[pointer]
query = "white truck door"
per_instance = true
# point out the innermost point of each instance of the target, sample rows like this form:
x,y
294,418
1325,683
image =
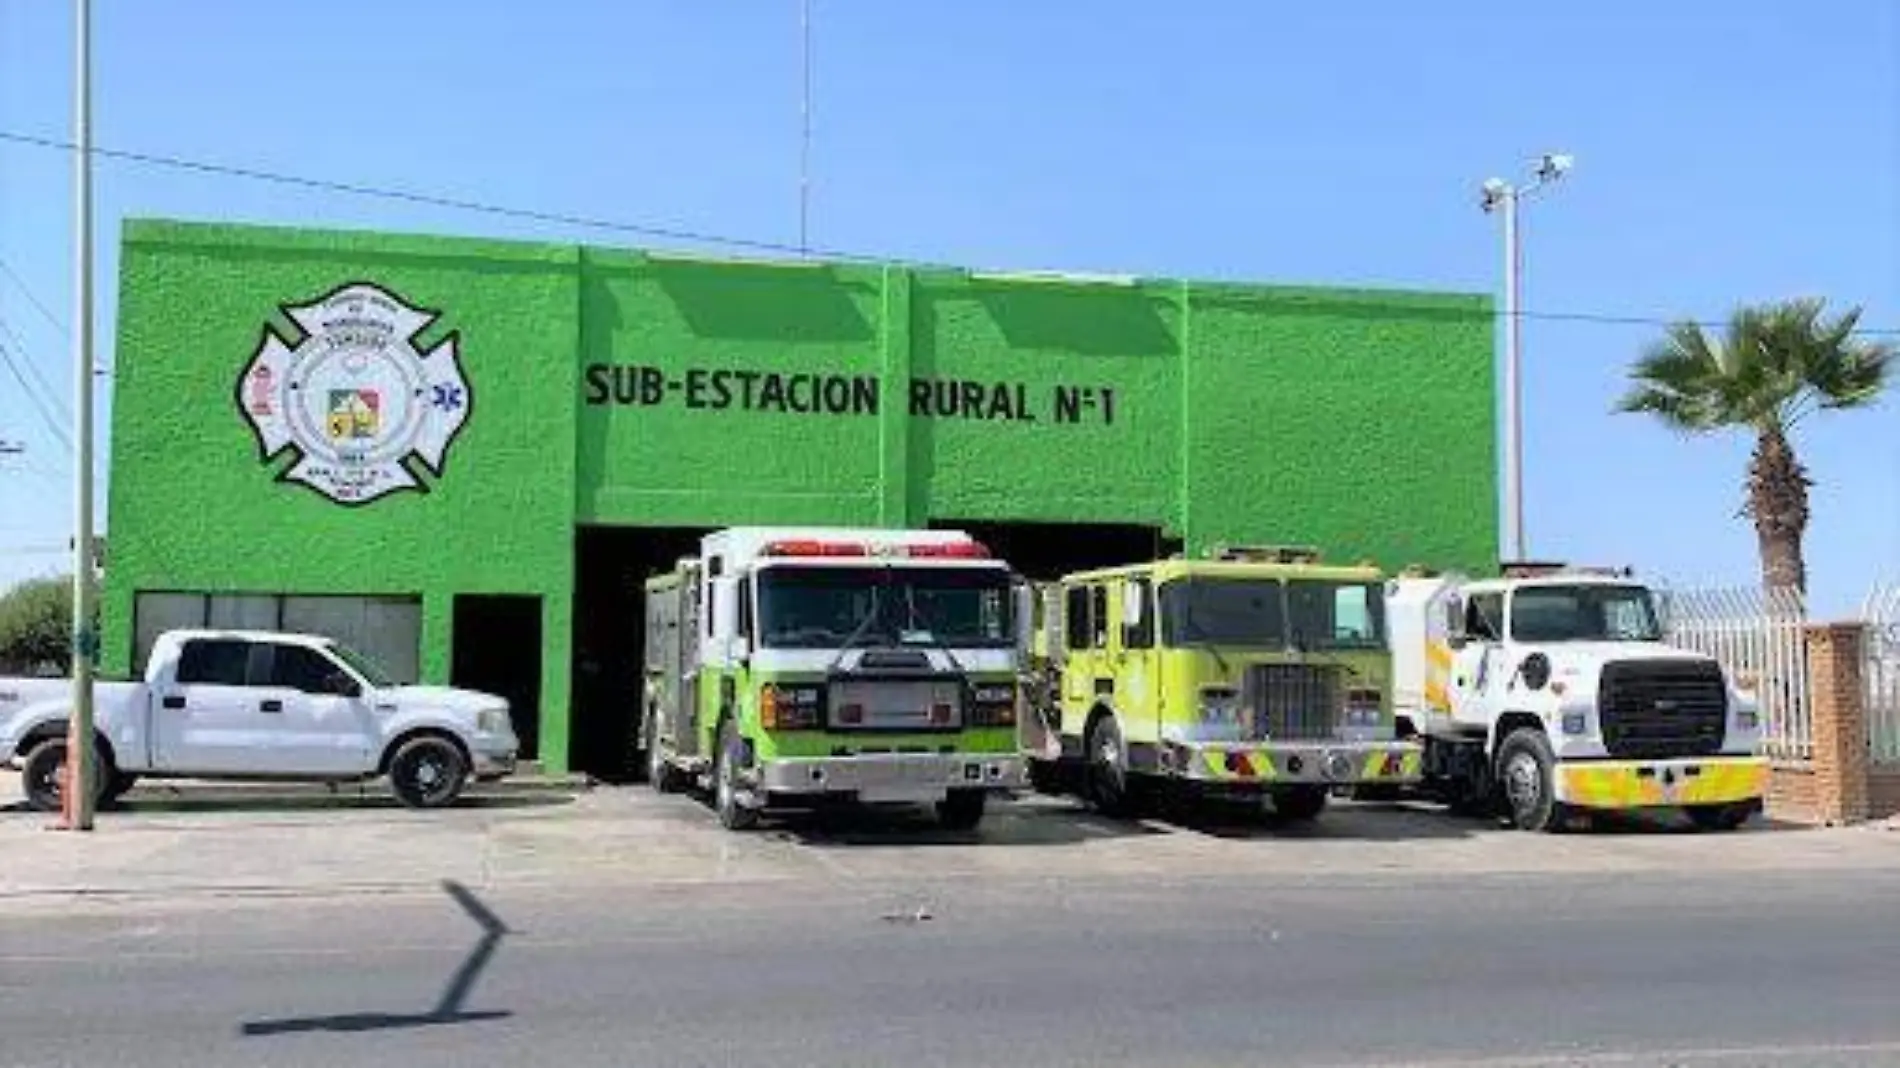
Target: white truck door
x,y
1474,681
320,723
206,716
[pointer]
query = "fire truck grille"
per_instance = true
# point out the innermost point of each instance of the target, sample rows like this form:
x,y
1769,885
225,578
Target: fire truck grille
x,y
1659,709
1293,702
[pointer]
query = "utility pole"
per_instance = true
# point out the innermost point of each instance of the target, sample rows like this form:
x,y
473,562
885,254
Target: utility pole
x,y
77,792
1503,197
804,131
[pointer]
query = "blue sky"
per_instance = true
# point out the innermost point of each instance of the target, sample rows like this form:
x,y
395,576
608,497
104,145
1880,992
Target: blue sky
x,y
1725,152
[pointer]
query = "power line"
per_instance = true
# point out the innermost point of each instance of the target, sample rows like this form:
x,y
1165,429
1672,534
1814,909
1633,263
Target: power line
x,y
31,298
52,424
19,345
699,237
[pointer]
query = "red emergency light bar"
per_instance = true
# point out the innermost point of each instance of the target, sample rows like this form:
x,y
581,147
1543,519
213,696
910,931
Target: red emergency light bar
x,y
814,548
965,550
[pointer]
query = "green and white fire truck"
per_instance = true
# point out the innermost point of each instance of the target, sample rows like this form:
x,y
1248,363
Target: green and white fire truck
x,y
792,667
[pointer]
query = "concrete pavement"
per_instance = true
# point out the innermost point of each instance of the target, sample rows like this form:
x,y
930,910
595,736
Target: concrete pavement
x,y
1627,968
630,838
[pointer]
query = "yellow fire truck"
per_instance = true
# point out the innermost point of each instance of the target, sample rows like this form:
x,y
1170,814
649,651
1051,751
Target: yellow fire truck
x,y
1258,673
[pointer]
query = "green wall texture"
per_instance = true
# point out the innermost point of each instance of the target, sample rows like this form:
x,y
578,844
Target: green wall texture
x,y
612,387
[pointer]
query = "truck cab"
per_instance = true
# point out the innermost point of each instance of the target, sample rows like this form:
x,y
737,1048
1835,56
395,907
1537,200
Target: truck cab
x,y
1257,673
1551,689
793,667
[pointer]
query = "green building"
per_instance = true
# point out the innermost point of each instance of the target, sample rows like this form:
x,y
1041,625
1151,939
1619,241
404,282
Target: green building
x,y
465,455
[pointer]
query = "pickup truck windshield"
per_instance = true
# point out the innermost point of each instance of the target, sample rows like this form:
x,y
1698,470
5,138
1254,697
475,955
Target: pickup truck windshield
x,y
371,671
1584,613
819,607
1335,615
1223,611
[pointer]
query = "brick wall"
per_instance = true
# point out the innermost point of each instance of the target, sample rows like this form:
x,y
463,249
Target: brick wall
x,y
1841,783
1793,794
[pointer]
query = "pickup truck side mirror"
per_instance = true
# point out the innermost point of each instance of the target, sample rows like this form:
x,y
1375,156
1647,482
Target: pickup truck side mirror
x,y
338,684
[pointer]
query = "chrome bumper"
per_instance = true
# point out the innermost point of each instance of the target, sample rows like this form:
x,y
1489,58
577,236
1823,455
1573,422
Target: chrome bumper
x,y
494,764
1337,763
894,776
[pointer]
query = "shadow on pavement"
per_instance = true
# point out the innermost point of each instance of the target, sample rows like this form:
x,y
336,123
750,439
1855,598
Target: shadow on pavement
x,y
1038,822
448,1008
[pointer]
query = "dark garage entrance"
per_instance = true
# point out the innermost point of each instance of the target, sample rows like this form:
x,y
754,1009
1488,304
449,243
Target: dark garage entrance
x,y
497,649
611,566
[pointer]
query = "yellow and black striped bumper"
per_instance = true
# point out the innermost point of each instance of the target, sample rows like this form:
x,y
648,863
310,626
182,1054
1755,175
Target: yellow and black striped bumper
x,y
1619,784
1340,763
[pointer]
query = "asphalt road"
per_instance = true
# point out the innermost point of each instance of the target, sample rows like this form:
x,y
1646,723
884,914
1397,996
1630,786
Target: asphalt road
x,y
1535,969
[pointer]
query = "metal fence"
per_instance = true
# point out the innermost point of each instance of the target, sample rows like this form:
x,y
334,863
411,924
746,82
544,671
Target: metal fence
x,y
1760,637
1881,670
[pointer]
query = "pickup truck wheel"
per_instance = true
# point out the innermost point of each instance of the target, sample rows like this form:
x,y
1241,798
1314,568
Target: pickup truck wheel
x,y
118,785
44,768
427,772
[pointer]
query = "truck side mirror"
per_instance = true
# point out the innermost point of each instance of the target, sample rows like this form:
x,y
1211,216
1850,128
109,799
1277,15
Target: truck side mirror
x,y
725,616
1024,596
1455,635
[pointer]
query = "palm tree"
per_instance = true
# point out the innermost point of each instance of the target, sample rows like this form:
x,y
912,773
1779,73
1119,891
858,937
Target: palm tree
x,y
1775,365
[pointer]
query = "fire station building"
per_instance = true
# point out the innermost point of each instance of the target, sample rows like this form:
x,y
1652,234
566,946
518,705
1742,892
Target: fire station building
x,y
465,456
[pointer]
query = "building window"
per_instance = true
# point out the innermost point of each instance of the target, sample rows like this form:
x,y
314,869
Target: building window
x,y
388,630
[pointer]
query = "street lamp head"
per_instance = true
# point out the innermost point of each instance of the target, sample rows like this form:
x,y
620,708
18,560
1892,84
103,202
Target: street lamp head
x,y
1493,191
1554,165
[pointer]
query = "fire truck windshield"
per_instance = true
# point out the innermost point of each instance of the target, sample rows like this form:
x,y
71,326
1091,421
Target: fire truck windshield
x,y
804,606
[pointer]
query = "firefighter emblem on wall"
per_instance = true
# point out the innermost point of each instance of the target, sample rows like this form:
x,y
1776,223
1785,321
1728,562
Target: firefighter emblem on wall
x,y
354,398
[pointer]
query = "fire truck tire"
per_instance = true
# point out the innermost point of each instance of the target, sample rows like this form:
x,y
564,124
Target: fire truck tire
x,y
962,810
733,816
1299,802
663,777
1105,777
1526,774
1719,817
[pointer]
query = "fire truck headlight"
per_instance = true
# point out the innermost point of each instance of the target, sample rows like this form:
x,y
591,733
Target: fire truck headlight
x,y
1220,705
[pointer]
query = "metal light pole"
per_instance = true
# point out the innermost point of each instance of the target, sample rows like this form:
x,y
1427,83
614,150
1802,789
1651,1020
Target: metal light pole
x,y
1503,197
76,794
804,128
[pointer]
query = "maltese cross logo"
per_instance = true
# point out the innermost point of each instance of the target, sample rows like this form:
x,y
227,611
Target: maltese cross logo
x,y
353,398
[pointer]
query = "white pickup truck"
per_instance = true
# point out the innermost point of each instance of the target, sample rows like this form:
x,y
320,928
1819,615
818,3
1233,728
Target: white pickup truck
x,y
254,705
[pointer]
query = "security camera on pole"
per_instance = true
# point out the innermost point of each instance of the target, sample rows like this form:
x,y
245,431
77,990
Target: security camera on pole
x,y
1501,196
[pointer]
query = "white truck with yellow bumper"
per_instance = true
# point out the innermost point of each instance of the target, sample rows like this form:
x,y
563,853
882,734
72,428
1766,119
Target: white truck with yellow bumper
x,y
1551,690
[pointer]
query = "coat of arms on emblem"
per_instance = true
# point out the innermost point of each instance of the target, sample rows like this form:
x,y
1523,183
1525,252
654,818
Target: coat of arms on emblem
x,y
354,398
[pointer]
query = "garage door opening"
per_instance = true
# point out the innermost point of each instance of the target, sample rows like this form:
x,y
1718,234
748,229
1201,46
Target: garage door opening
x,y
497,649
1045,551
611,566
